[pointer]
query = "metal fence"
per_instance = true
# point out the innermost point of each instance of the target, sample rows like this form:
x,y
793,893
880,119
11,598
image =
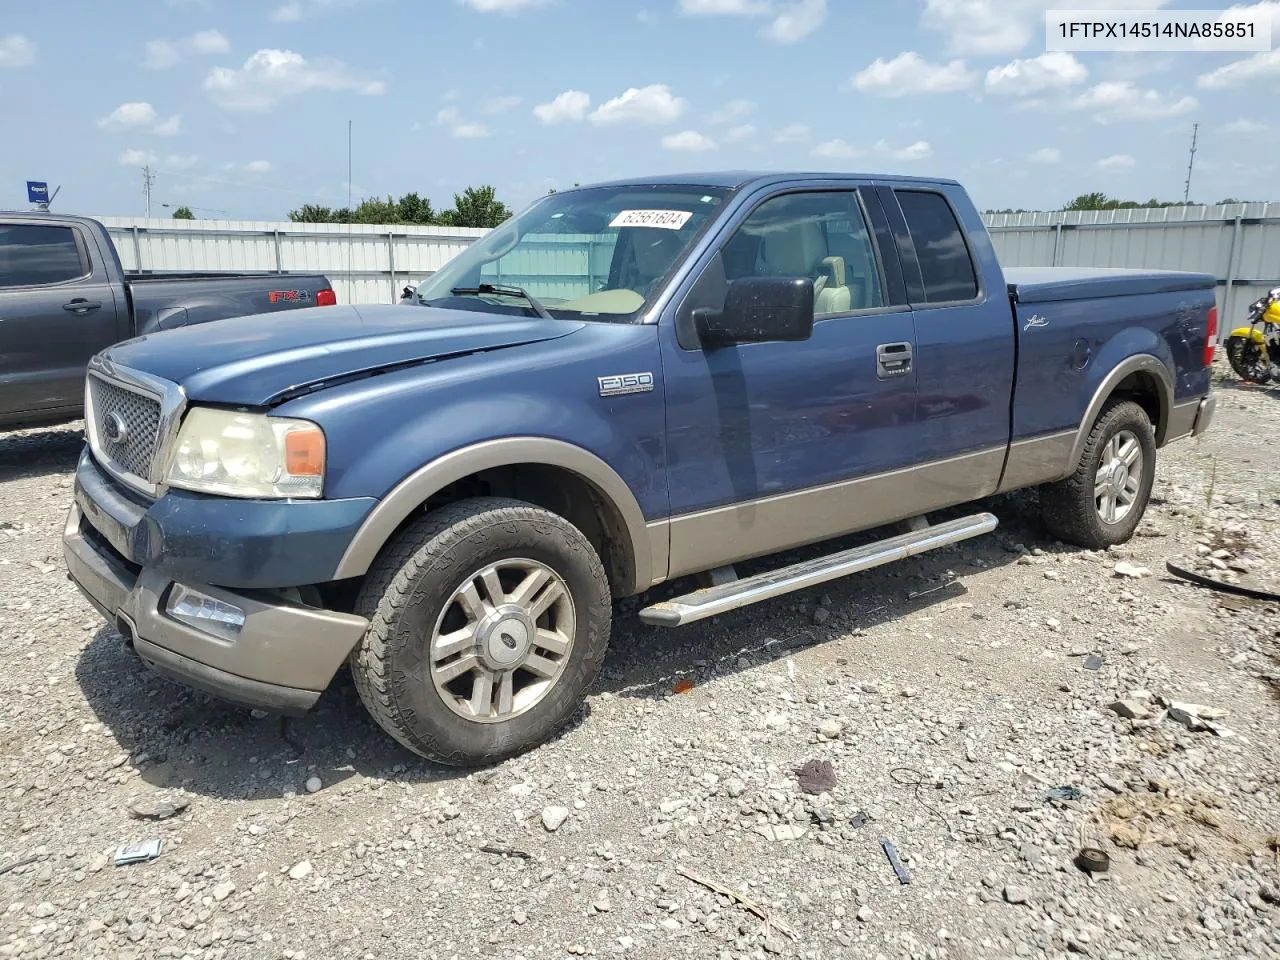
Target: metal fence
x,y
366,264
1238,243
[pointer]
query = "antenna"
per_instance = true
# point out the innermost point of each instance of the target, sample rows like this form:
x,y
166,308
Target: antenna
x,y
1191,162
148,179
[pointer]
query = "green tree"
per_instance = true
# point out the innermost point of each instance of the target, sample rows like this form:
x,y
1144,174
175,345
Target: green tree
x,y
476,207
183,213
412,208
311,213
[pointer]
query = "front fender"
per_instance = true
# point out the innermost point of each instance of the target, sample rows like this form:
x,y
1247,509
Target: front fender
x,y
1249,333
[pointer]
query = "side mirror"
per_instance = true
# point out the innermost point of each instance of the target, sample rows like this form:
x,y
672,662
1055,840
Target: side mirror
x,y
759,310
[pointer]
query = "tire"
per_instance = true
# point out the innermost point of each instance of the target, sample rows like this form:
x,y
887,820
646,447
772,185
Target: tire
x,y
1072,509
1246,359
415,594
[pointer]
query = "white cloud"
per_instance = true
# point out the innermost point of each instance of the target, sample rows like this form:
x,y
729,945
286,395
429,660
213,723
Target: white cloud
x,y
460,128
909,73
720,8
794,133
177,162
569,107
988,27
920,150
1046,155
651,104
16,51
288,12
735,111
1117,162
503,6
163,54
209,42
837,150
500,104
140,115
270,76
1049,71
688,141
795,22
1245,126
258,166
1241,72
137,158
743,131
1121,100
470,131
790,21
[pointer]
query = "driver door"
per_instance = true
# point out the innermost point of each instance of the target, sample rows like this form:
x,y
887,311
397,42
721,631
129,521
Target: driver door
x,y
774,444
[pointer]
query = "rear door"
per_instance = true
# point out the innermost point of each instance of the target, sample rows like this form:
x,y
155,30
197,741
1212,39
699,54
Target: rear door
x,y
964,358
57,309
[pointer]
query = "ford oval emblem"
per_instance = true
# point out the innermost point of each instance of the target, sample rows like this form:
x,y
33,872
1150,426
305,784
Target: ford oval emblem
x,y
114,429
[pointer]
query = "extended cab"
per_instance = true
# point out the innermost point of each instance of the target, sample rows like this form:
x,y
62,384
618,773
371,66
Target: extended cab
x,y
625,384
64,296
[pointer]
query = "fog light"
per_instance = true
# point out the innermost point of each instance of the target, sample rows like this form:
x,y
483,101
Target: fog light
x,y
204,612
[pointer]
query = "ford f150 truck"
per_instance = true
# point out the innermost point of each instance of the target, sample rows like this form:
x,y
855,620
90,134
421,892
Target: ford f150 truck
x,y
625,384
63,297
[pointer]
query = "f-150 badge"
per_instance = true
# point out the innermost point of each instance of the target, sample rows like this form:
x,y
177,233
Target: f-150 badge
x,y
622,383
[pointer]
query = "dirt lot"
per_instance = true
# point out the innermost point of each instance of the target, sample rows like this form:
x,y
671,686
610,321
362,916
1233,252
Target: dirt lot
x,y
949,693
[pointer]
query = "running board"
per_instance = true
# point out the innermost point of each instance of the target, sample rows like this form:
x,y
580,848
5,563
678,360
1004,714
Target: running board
x,y
765,586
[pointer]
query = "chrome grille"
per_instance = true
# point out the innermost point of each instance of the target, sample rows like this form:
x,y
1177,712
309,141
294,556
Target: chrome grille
x,y
126,426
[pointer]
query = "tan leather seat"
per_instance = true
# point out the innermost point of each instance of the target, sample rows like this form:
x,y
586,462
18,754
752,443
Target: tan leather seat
x,y
834,296
800,250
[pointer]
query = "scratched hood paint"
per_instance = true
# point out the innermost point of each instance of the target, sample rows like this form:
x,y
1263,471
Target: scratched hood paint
x,y
254,360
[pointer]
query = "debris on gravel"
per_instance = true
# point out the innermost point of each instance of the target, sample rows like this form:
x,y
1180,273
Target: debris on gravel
x,y
992,683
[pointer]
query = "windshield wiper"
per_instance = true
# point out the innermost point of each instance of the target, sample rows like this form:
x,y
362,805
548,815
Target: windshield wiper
x,y
505,291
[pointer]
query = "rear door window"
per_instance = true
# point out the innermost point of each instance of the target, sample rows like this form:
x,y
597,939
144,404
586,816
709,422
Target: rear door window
x,y
38,255
940,247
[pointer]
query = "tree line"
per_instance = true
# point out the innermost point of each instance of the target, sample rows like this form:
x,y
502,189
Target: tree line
x,y
474,207
1100,201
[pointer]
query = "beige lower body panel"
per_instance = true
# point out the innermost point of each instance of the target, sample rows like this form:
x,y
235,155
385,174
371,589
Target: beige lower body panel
x,y
1039,460
1182,419
713,538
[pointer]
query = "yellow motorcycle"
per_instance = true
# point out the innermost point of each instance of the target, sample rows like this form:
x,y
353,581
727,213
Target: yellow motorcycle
x,y
1254,351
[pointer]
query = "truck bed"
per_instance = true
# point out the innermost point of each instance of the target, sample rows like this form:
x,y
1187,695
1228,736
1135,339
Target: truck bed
x,y
1044,284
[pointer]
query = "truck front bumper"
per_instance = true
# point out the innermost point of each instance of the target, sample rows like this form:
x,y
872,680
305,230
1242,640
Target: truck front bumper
x,y
281,658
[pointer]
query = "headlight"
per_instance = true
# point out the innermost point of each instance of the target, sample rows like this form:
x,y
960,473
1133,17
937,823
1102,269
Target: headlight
x,y
247,455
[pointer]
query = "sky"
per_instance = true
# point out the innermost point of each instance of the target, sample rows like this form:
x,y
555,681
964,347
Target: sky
x,y
241,109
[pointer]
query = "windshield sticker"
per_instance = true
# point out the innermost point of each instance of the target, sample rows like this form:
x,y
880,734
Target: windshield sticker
x,y
662,219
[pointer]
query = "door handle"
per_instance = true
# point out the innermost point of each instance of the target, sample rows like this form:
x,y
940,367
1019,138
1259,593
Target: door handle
x,y
80,305
893,360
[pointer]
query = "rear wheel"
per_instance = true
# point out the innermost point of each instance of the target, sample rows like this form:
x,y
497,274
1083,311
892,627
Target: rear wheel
x,y
488,621
1102,502
1248,360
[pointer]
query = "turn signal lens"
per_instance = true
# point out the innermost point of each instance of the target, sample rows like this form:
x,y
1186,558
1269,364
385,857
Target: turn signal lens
x,y
1211,337
304,452
326,298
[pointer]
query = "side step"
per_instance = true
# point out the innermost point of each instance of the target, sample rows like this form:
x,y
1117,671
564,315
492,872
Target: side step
x,y
774,583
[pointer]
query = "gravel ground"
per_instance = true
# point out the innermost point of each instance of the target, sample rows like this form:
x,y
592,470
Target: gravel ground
x,y
949,693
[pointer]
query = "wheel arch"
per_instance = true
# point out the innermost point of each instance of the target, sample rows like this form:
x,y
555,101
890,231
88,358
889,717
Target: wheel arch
x,y
1143,378
558,476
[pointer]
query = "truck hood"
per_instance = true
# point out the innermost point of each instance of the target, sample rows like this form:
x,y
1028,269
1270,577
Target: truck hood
x,y
260,360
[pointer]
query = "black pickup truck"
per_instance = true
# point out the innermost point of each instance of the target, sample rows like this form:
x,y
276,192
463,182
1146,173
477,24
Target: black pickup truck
x,y
64,297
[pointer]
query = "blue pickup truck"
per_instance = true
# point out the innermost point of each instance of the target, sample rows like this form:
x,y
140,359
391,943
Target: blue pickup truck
x,y
623,385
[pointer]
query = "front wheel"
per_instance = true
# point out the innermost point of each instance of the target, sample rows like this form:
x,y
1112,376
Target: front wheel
x,y
1102,502
1248,359
488,621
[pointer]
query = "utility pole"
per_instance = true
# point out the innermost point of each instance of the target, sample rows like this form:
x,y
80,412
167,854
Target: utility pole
x,y
148,178
1186,192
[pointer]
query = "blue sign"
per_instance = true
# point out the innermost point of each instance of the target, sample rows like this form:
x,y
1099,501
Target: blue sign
x,y
37,191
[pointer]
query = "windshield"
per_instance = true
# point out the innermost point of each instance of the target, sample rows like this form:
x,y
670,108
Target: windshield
x,y
599,253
